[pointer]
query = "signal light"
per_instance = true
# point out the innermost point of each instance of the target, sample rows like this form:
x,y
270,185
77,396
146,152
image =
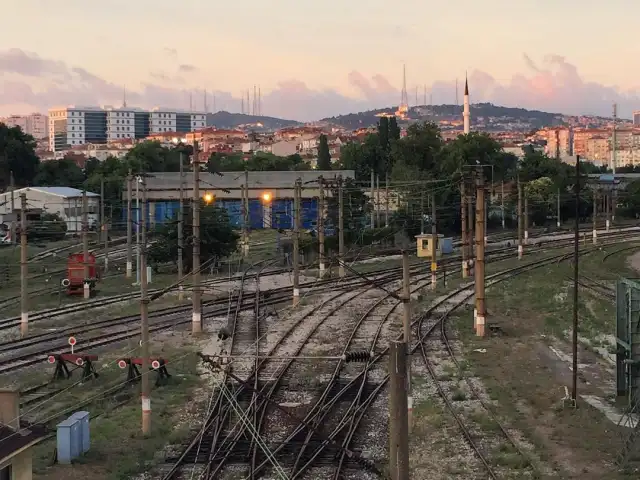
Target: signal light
x,y
208,198
266,197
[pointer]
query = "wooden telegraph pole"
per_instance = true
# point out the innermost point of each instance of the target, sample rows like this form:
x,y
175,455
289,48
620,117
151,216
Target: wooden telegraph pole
x,y
181,230
398,413
479,267
144,316
434,243
526,216
105,227
519,213
24,299
196,322
340,227
595,216
296,243
129,222
465,233
85,245
321,226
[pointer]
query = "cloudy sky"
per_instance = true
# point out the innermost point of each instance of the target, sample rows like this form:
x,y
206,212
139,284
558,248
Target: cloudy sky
x,y
320,58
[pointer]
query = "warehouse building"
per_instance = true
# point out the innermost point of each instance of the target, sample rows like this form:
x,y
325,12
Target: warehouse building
x,y
63,201
163,193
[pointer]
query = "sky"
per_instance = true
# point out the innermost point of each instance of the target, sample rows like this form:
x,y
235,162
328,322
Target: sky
x,y
315,59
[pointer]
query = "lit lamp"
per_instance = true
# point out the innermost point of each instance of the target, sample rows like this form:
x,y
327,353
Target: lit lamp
x,y
208,198
266,197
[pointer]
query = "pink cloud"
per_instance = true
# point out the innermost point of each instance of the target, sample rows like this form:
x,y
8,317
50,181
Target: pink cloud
x,y
553,84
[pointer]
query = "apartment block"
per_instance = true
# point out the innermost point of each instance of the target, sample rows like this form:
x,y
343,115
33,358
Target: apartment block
x,y
559,142
636,118
72,126
34,124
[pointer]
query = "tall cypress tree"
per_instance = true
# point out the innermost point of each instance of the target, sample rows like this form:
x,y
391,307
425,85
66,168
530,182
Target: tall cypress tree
x,y
324,157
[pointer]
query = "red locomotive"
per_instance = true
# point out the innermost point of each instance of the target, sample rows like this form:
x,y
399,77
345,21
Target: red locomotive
x,y
75,273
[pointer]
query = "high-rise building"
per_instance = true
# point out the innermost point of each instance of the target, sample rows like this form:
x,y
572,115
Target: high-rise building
x,y
72,126
34,124
636,118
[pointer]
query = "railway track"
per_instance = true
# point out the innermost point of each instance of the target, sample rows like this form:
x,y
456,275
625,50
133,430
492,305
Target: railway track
x,y
300,439
348,418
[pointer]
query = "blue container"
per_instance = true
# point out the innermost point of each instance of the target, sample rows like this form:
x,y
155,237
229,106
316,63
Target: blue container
x,y
83,418
446,245
68,440
234,210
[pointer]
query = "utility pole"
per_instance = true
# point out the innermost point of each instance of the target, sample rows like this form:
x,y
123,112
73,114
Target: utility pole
x,y
246,213
576,258
520,247
502,203
526,216
180,230
378,200
434,243
144,318
24,299
373,203
465,233
321,225
607,206
398,416
559,222
479,268
471,219
129,222
244,221
196,321
105,228
340,227
85,245
12,227
595,216
296,244
406,327
386,200
421,212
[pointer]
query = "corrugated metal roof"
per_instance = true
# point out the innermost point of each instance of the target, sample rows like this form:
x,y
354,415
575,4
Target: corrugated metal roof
x,y
66,192
233,180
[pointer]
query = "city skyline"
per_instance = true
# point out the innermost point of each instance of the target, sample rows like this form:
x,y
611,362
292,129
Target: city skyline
x,y
313,61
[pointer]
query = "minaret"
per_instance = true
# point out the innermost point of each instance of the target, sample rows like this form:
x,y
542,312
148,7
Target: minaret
x,y
466,114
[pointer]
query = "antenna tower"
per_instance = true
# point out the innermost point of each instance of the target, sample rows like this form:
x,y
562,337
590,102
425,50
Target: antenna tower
x,y
404,100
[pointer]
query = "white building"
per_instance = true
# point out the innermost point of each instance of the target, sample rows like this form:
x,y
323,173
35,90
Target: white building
x,y
71,126
63,201
171,120
34,124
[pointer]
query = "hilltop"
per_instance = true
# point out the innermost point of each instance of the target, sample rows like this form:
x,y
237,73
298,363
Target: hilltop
x,y
479,111
225,119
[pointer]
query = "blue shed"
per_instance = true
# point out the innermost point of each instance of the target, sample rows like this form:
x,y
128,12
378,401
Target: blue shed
x,y
282,213
255,214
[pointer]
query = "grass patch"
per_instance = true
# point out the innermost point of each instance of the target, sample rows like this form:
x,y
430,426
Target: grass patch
x,y
117,446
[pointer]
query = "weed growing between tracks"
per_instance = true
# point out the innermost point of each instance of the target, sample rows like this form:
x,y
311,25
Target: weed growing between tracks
x,y
118,450
526,372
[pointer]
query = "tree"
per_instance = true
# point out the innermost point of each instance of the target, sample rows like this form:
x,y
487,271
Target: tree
x,y
630,199
217,239
394,130
324,157
17,156
383,133
59,173
356,207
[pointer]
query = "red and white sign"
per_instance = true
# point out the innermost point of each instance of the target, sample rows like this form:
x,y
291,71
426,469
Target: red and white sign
x,y
72,342
155,364
122,364
51,359
79,362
